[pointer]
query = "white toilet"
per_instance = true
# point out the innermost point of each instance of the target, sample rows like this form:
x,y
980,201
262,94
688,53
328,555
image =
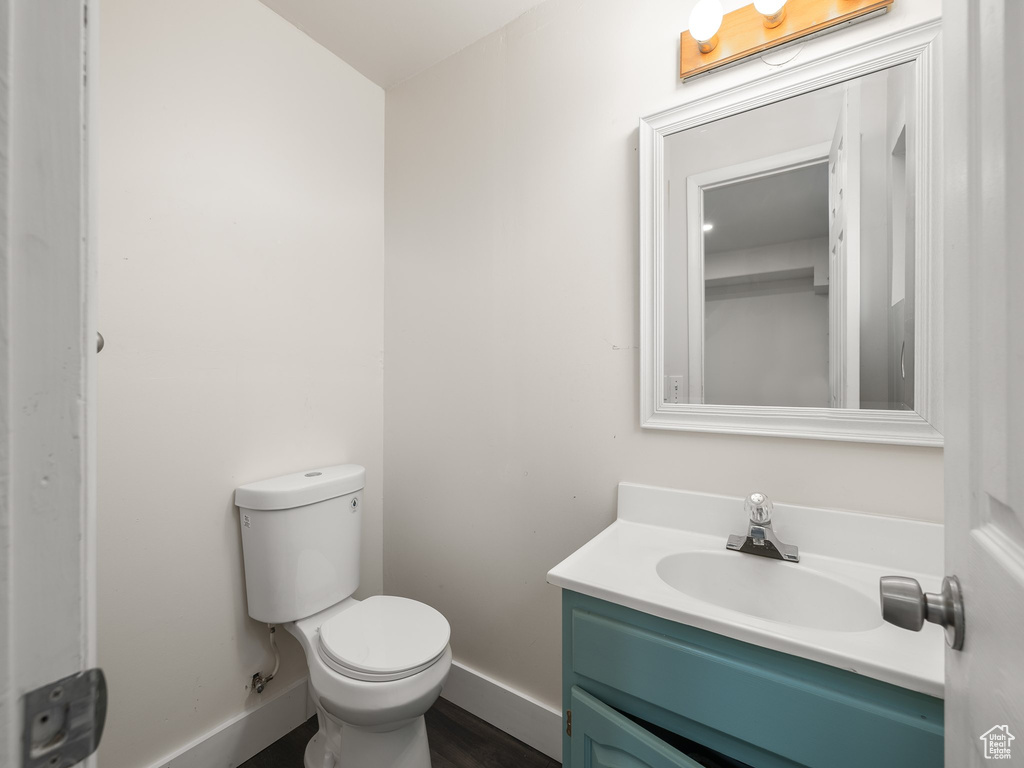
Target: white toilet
x,y
375,666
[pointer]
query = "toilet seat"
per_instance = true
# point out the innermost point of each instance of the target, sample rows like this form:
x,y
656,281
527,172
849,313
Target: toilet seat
x,y
383,638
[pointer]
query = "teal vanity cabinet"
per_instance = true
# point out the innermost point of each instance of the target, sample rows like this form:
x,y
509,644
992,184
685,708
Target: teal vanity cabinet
x,y
640,691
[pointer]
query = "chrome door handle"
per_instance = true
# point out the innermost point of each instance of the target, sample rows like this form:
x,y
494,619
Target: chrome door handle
x,y
906,605
99,342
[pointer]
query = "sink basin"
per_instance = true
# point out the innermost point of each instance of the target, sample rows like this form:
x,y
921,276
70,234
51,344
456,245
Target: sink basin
x,y
770,589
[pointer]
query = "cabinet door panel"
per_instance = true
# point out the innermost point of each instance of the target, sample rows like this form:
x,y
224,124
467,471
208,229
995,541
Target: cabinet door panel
x,y
602,738
609,757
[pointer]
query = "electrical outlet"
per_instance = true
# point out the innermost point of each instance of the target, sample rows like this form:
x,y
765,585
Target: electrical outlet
x,y
675,389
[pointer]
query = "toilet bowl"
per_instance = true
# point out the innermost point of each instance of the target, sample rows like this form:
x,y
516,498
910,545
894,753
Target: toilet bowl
x,y
375,665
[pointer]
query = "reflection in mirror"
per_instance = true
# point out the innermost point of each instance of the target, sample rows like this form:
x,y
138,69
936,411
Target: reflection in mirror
x,y
789,252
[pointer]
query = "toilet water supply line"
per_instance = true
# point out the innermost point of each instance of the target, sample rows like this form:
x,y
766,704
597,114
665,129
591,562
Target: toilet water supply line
x,y
259,682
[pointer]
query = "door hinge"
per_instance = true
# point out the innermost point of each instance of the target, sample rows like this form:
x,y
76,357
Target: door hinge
x,y
63,721
568,722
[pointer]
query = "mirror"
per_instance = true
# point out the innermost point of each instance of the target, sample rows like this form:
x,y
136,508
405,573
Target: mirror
x,y
789,262
800,234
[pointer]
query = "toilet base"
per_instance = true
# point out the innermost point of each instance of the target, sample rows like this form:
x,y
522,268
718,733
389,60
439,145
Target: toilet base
x,y
339,745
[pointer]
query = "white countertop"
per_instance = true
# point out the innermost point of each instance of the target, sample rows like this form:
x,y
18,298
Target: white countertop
x,y
620,565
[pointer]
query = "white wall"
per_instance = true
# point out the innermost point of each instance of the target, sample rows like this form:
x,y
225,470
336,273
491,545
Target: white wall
x,y
766,341
241,296
511,328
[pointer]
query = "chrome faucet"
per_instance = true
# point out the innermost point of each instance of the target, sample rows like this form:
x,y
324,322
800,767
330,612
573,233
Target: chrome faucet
x,y
761,539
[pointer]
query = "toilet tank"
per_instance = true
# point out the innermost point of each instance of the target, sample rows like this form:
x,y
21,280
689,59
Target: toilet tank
x,y
300,541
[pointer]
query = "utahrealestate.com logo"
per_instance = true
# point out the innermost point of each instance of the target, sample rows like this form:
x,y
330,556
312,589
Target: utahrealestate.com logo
x,y
997,742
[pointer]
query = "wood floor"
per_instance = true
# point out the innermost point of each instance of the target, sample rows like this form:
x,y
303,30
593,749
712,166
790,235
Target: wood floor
x,y
457,740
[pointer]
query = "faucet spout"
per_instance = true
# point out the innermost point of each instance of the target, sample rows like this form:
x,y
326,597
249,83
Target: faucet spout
x,y
761,539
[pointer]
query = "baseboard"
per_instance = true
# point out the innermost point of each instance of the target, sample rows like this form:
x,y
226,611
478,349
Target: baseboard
x,y
236,740
512,711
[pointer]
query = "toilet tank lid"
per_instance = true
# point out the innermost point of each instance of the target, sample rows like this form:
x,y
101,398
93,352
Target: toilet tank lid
x,y
301,488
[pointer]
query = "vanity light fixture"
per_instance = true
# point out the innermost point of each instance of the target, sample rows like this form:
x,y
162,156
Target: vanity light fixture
x,y
714,40
705,20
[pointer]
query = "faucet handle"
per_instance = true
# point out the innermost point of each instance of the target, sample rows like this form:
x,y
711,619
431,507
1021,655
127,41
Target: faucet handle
x,y
758,508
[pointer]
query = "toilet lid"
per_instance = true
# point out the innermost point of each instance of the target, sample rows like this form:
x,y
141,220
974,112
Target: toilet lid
x,y
384,638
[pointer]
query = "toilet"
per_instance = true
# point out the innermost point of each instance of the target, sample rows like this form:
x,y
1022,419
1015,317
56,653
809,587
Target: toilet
x,y
375,665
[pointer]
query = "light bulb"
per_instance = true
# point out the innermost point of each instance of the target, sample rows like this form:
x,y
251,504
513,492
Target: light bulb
x,y
705,19
708,226
774,11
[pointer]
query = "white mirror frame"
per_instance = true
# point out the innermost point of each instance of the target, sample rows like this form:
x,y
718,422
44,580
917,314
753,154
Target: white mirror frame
x,y
918,45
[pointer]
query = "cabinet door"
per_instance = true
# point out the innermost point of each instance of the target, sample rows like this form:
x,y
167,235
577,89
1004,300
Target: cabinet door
x,y
602,738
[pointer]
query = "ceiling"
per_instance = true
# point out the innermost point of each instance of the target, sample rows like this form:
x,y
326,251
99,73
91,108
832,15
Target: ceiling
x,y
389,41
777,208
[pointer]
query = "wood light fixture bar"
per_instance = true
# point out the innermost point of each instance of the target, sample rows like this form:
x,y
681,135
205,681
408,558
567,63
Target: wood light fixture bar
x,y
743,32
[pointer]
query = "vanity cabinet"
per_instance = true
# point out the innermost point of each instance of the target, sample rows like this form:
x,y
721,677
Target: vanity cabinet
x,y
645,691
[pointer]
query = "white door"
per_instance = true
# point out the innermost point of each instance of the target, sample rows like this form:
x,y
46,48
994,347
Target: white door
x,y
983,72
47,351
844,254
